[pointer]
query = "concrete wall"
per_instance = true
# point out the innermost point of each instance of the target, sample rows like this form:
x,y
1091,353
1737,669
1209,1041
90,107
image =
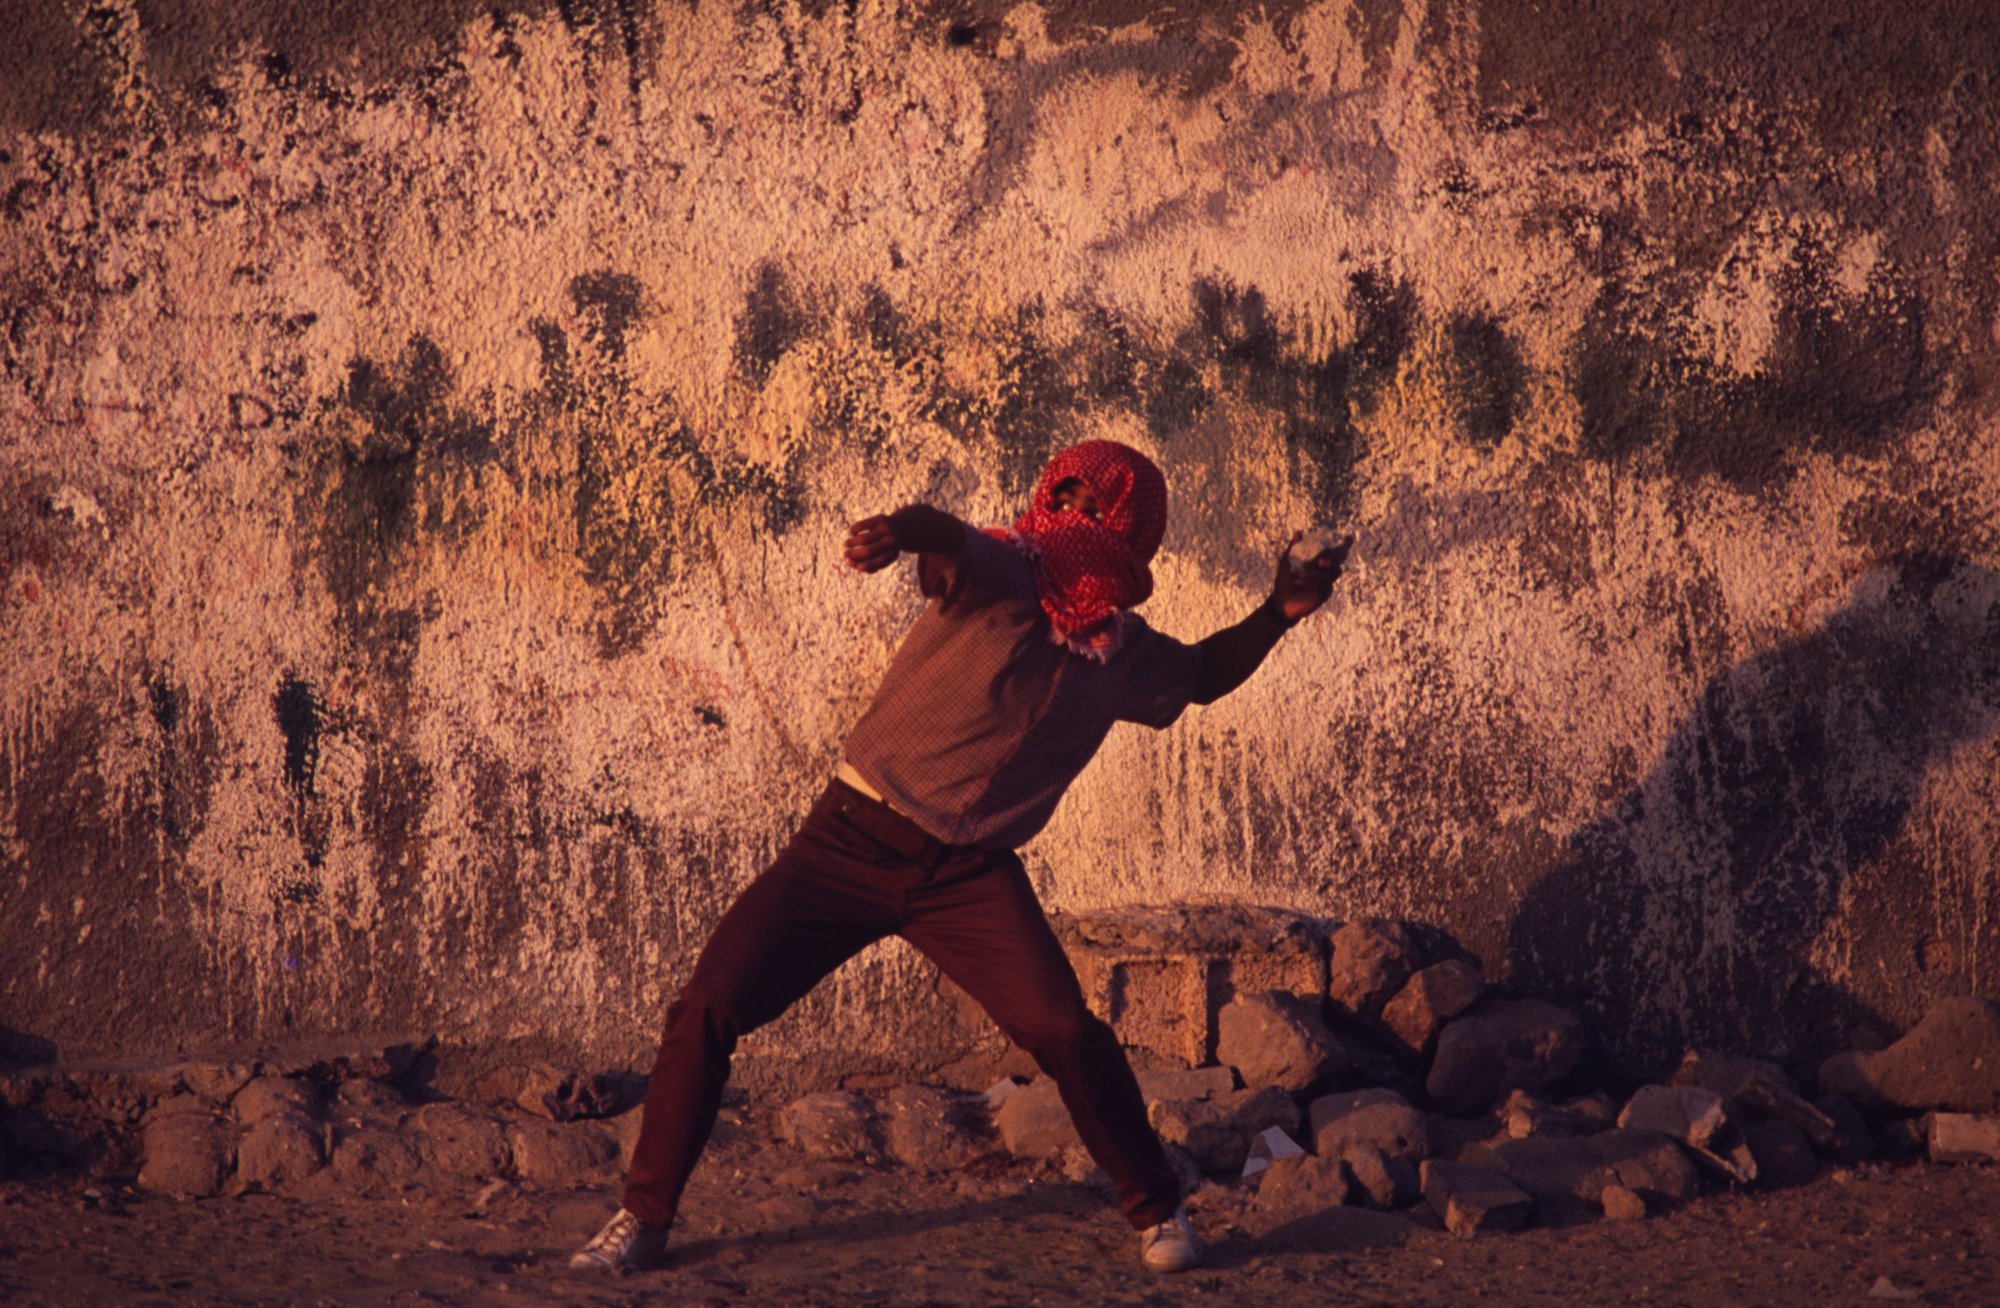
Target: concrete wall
x,y
427,431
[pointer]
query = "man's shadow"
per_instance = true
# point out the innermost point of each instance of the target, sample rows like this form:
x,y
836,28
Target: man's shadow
x,y
1689,914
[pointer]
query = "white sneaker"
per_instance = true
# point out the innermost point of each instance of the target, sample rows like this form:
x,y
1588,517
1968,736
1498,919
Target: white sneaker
x,y
625,1245
1172,1246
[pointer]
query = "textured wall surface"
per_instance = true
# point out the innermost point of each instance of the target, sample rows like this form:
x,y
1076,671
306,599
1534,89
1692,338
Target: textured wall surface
x,y
427,432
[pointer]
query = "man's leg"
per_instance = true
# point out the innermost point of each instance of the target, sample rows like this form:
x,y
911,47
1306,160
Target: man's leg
x,y
979,920
817,905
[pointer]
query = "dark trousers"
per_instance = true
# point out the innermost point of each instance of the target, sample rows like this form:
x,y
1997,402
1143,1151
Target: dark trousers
x,y
856,872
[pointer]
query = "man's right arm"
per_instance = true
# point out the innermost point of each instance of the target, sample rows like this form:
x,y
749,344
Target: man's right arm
x,y
874,543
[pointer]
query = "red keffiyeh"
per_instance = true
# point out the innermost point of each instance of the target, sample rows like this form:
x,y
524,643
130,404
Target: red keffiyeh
x,y
1089,571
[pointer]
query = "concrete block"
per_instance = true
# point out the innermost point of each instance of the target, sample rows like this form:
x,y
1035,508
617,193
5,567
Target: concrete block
x,y
1472,1199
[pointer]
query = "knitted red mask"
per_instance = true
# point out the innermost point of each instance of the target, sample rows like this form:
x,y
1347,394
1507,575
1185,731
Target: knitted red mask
x,y
1089,571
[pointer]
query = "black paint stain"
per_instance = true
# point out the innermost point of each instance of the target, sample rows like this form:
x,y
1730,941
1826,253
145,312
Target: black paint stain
x,y
553,347
1484,372
1175,397
1385,313
609,303
771,324
1037,403
301,718
1844,377
961,34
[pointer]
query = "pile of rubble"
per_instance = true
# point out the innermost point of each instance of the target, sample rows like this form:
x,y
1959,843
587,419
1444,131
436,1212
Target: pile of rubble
x,y
1301,1069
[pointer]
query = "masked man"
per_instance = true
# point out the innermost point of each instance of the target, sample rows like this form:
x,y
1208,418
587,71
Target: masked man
x,y
1004,688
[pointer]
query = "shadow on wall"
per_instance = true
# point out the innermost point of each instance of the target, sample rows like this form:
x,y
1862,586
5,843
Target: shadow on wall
x,y
1687,915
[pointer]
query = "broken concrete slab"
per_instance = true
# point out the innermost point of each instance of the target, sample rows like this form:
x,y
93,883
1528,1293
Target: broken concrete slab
x,y
832,1124
1161,974
1552,1167
1379,1118
1964,1137
1432,996
1756,1088
1950,1060
1500,1045
1472,1199
1368,961
1275,1038
1698,1119
1525,1114
1217,1131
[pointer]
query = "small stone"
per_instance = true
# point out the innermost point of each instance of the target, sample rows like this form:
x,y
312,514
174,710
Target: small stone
x,y
22,1087
1433,996
278,1149
1965,1137
831,1124
1782,1151
1902,1136
1473,1199
1276,1039
462,1141
1622,1204
185,1149
1033,1122
1379,1118
217,1081
1302,1184
1884,1288
1500,1045
1217,1131
1369,961
926,1128
560,1154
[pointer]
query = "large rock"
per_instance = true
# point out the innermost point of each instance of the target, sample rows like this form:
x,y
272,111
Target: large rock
x,y
1380,1119
1755,1088
1432,996
1368,961
1472,1199
268,1095
1034,1123
461,1141
1647,1163
1501,1045
185,1149
374,1160
1274,1038
1782,1151
1554,1168
1296,1187
831,1124
1525,1114
1949,1060
926,1128
1217,1131
556,1155
1381,1181
278,1150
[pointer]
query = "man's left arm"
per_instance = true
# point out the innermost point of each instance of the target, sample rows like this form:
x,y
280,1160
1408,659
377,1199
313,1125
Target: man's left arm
x,y
1230,655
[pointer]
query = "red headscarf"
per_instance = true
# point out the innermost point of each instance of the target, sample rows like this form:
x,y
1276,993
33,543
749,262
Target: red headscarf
x,y
1089,571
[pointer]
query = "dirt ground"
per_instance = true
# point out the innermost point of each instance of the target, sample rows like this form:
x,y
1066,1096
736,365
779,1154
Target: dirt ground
x,y
766,1225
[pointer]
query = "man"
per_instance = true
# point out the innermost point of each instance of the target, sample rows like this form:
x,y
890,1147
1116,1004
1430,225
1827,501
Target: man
x,y
1004,688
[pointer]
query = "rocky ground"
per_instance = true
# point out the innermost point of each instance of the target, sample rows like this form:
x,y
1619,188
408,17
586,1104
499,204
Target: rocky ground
x,y
767,1223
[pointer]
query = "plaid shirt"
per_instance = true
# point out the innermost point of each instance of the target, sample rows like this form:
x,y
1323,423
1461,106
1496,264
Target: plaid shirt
x,y
983,720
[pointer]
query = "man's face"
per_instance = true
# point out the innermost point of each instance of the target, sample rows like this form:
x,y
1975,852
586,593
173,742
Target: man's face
x,y
1072,496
